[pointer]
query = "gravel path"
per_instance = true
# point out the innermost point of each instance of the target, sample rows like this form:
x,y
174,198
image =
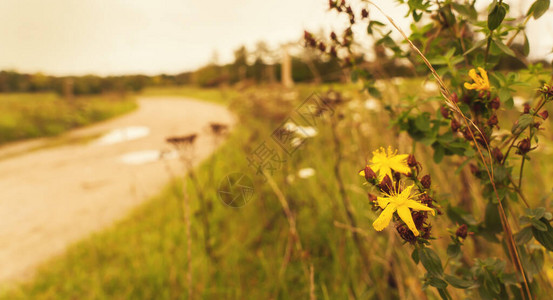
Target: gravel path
x,y
53,197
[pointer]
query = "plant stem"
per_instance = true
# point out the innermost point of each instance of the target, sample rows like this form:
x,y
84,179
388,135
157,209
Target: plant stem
x,y
345,200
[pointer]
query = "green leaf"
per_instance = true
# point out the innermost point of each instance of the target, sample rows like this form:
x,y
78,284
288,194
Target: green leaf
x,y
415,255
492,219
423,123
496,16
431,261
453,250
538,8
526,46
504,48
439,153
539,225
462,165
522,123
523,236
475,46
458,282
544,237
437,282
532,262
504,94
444,294
465,10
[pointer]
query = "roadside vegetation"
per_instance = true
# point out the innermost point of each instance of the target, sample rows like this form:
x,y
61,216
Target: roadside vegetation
x,y
253,254
25,116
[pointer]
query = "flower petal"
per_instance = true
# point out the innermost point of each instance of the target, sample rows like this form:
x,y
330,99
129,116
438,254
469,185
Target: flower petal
x,y
362,172
399,163
470,86
473,75
484,75
407,191
419,206
385,217
405,214
382,201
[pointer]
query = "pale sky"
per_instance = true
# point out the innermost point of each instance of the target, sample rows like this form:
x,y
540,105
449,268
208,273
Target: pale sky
x,y
63,37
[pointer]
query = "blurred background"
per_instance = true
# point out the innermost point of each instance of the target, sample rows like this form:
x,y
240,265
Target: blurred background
x,y
91,189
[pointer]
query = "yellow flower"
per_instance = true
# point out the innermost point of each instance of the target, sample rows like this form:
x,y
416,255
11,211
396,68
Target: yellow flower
x,y
401,203
481,82
383,163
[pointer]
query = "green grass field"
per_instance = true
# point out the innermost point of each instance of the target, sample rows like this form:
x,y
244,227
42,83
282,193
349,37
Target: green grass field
x,y
25,116
253,253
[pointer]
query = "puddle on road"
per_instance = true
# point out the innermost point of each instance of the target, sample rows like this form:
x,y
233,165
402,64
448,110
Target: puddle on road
x,y
146,156
123,135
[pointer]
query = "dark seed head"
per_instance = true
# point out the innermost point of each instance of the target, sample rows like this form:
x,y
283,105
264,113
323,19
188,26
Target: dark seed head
x,y
462,231
412,161
492,121
386,184
369,174
445,112
426,181
497,155
526,108
495,103
524,146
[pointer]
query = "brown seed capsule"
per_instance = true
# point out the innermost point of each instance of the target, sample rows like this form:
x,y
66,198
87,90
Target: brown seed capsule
x,y
526,108
322,47
426,200
462,231
372,197
484,94
547,90
369,174
455,125
386,184
495,103
411,161
524,146
544,114
492,121
497,155
454,97
426,181
333,52
445,112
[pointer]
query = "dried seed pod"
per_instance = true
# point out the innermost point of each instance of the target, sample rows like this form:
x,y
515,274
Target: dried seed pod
x,y
495,103
426,181
412,161
492,121
455,125
445,112
497,154
524,146
369,174
386,184
462,231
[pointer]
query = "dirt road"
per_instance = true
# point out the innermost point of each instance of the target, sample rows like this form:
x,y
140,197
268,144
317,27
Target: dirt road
x,y
53,197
